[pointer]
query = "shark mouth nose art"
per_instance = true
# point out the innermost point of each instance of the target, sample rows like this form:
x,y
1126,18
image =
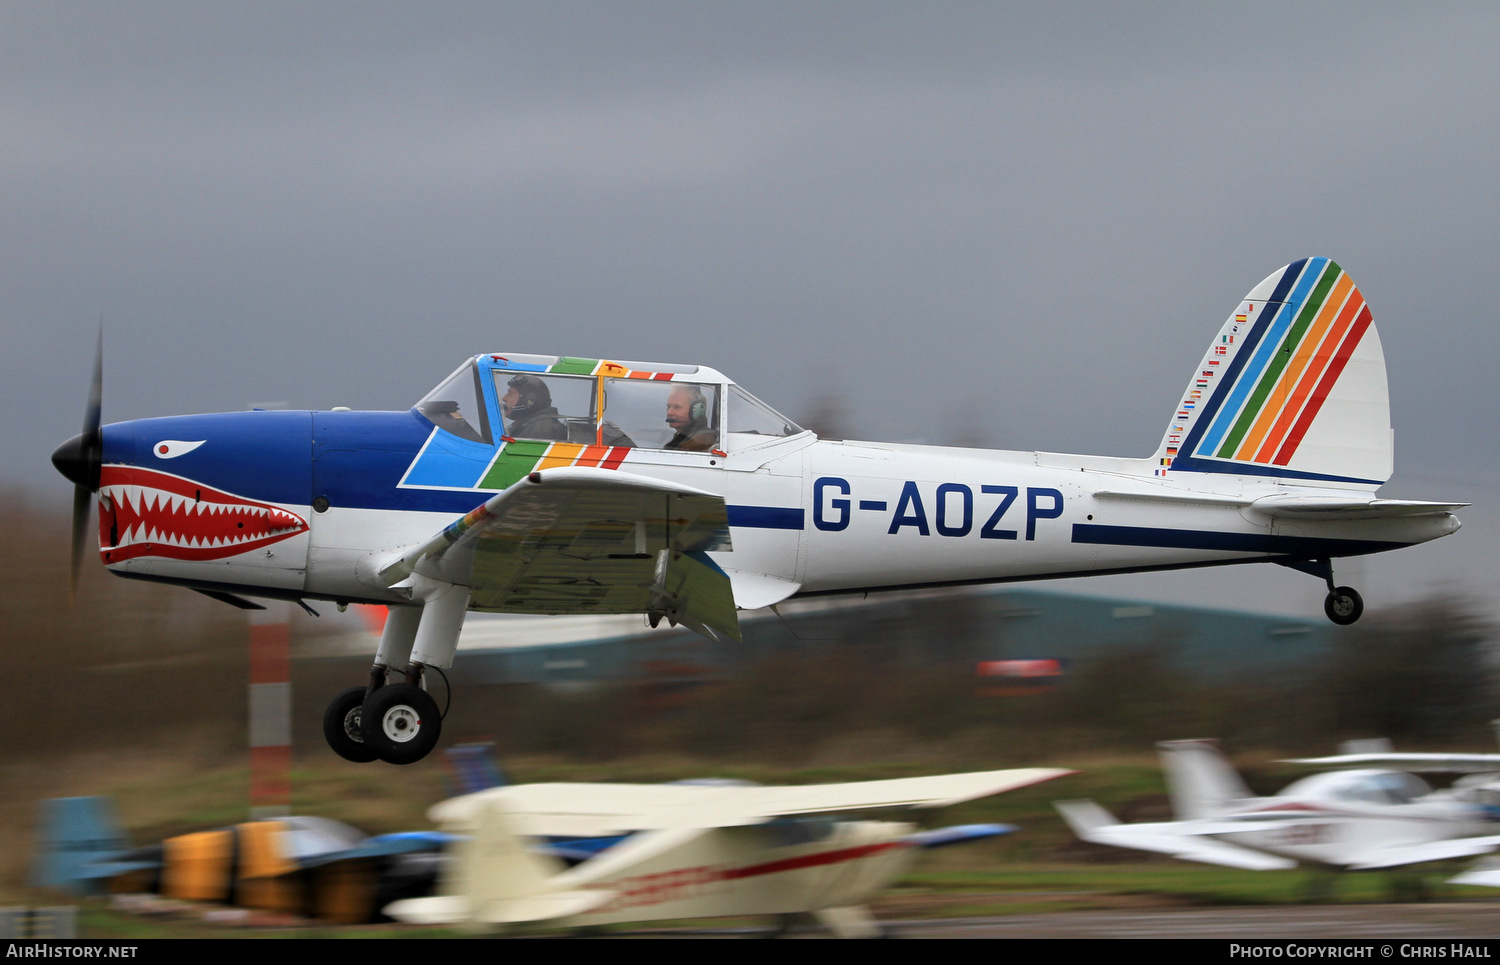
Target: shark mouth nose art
x,y
148,513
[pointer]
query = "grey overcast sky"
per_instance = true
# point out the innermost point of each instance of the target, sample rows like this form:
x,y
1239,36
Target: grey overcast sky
x,y
1022,221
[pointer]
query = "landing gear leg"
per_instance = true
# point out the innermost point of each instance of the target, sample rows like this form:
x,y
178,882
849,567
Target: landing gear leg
x,y
1343,604
399,721
401,624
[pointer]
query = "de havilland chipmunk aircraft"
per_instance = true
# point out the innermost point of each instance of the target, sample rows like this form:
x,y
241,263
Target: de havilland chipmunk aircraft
x,y
543,484
1351,820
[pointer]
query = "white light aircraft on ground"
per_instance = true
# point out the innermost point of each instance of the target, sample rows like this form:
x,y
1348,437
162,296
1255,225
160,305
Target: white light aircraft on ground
x,y
545,484
1349,820
1480,787
688,851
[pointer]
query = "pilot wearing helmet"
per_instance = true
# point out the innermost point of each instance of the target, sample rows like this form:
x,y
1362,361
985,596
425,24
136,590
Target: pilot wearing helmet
x,y
687,414
528,410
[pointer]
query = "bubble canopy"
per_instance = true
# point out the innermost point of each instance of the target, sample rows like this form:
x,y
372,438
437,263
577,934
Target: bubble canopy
x,y
491,399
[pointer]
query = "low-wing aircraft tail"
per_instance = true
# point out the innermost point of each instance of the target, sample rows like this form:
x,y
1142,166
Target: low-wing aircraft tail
x,y
1293,387
1200,780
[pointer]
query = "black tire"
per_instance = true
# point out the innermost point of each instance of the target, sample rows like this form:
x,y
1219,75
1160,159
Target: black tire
x,y
1343,605
342,730
401,723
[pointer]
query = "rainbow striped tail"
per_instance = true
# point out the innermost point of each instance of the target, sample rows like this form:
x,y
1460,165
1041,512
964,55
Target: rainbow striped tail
x,y
1293,387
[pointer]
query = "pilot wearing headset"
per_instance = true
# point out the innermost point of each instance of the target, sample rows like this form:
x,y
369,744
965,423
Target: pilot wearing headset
x,y
687,414
527,405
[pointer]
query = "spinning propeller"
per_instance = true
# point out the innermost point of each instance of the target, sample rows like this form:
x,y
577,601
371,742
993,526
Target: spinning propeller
x,y
80,457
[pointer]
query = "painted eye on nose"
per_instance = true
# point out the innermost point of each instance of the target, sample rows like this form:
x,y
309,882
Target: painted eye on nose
x,y
172,448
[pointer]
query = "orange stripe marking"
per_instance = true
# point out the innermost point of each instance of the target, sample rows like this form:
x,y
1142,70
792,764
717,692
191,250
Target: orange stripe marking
x,y
1314,370
1289,375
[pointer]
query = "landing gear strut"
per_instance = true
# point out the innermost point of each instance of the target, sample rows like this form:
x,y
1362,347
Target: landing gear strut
x,y
398,722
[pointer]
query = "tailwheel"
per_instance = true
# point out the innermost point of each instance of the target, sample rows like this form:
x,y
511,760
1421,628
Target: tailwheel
x,y
342,730
400,723
1343,605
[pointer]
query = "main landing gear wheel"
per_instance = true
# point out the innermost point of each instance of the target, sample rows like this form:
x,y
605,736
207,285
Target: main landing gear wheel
x,y
401,723
341,727
1343,605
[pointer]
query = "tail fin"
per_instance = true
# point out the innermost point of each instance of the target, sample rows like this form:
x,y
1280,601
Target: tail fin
x,y
72,834
497,879
1200,780
1292,387
496,866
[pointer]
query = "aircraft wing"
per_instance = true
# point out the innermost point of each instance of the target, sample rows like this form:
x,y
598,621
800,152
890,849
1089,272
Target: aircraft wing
x,y
1431,851
1180,839
1455,763
570,540
585,810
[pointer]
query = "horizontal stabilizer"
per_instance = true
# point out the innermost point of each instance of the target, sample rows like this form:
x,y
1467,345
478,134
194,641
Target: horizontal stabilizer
x,y
1094,824
1350,507
1085,817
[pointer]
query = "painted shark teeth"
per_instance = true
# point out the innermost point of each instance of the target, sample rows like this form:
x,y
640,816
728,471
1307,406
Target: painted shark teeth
x,y
149,513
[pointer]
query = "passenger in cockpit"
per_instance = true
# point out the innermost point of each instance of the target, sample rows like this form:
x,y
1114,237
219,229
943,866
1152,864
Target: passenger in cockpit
x,y
687,414
527,406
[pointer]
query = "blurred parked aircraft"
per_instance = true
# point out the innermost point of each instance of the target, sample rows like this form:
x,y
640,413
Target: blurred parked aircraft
x,y
689,850
1353,819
